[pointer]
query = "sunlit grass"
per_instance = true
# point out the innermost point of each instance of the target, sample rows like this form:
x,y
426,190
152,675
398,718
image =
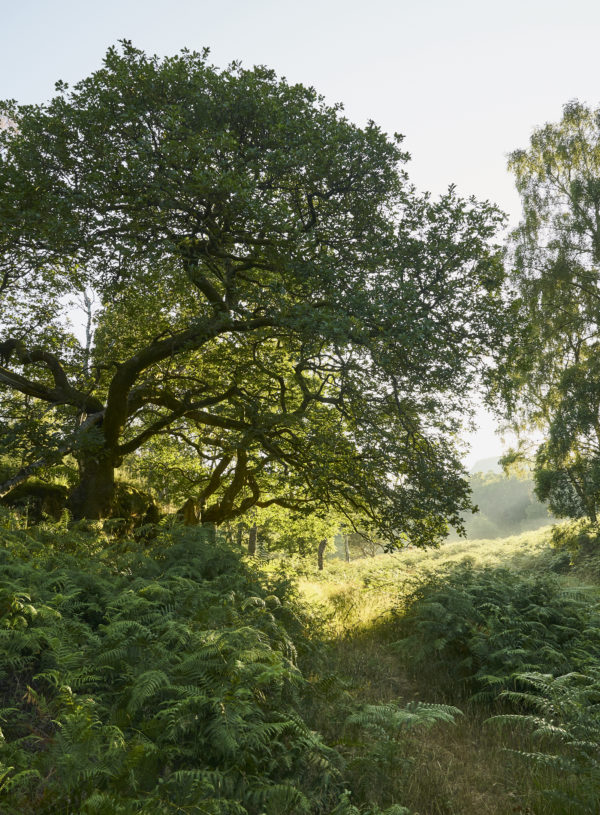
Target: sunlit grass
x,y
356,594
467,768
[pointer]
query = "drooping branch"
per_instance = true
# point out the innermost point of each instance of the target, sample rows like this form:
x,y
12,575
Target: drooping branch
x,y
30,388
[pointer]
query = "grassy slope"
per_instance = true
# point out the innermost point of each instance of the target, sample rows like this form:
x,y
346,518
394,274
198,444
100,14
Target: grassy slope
x,y
356,594
459,770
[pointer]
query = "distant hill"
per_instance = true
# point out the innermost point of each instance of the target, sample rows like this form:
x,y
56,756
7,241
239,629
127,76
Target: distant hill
x,y
507,505
486,465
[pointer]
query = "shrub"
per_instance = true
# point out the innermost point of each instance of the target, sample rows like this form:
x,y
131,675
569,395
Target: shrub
x,y
480,628
156,681
575,536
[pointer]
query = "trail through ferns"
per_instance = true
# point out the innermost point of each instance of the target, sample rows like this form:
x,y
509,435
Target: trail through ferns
x,y
179,676
467,623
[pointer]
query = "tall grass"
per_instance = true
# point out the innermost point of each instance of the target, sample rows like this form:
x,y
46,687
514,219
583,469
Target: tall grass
x,y
354,595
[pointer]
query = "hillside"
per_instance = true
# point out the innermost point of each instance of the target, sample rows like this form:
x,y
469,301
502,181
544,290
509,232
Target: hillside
x,y
507,506
486,465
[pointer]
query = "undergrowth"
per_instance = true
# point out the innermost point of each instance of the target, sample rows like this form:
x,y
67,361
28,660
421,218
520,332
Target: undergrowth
x,y
565,726
484,627
506,629
163,677
171,674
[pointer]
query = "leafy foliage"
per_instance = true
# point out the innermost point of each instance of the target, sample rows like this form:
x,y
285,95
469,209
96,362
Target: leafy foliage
x,y
567,471
280,317
547,376
566,724
159,681
485,627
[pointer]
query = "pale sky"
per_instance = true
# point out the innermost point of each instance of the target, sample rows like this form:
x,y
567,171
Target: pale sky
x,y
466,81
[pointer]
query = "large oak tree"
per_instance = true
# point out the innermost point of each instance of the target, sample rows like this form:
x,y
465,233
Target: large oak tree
x,y
274,297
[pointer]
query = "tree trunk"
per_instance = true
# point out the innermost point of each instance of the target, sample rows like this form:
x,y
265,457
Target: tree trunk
x,y
347,548
252,540
93,497
211,532
190,515
52,458
239,535
320,553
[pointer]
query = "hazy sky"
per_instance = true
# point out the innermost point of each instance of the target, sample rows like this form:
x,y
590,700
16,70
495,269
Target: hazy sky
x,y
465,82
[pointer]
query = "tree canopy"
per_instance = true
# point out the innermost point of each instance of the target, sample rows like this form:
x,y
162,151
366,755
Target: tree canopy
x,y
548,378
275,301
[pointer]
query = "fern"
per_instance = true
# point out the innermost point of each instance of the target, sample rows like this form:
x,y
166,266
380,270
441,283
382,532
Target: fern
x,y
567,726
484,627
379,747
155,681
391,719
166,680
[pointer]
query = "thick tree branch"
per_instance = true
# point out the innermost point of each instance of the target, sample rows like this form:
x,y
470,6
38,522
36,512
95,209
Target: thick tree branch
x,y
191,339
29,388
62,393
206,287
215,479
178,409
72,396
